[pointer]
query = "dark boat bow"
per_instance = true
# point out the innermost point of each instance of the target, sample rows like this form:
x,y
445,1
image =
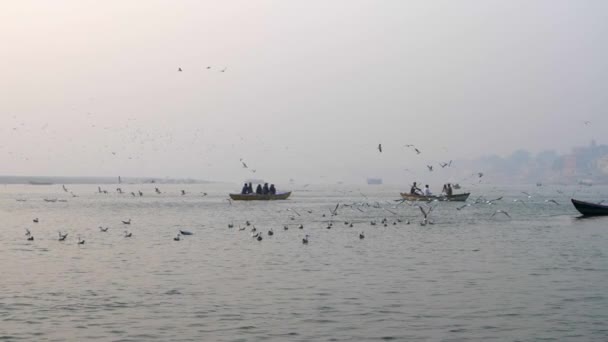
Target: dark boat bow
x,y
589,208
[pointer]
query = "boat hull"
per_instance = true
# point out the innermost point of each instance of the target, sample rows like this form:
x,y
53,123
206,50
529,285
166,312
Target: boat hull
x,y
256,197
590,209
453,198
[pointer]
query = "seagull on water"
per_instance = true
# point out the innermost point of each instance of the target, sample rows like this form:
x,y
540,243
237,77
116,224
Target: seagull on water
x,y
305,240
27,232
35,220
380,148
177,238
127,222
128,234
361,236
62,237
80,241
186,232
102,229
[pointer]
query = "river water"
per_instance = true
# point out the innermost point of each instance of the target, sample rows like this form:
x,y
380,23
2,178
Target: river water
x,y
541,274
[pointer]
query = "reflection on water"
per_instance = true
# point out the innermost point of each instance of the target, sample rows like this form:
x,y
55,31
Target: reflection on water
x,y
469,276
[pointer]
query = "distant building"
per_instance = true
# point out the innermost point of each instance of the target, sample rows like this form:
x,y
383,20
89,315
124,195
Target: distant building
x,y
569,165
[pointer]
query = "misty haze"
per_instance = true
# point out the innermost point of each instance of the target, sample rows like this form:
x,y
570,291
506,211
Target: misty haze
x,y
303,170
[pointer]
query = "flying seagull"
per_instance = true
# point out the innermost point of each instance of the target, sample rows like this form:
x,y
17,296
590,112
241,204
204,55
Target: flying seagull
x,y
501,212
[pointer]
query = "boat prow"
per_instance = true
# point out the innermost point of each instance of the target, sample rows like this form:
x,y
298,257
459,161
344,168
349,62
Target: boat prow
x,y
256,197
589,208
451,198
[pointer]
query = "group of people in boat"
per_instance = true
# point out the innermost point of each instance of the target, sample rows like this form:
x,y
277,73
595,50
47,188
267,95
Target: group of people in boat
x,y
446,191
259,190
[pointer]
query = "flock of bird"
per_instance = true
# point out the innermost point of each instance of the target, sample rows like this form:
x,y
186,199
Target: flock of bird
x,y
425,208
332,215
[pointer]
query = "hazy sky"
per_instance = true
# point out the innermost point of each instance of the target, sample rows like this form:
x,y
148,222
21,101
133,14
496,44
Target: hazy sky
x,y
311,87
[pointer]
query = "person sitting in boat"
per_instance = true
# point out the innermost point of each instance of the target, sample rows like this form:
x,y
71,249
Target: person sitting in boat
x,y
450,191
258,189
273,190
427,191
250,189
265,189
444,190
245,189
415,190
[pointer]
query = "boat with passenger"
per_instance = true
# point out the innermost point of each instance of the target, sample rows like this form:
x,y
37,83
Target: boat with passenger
x,y
260,197
444,198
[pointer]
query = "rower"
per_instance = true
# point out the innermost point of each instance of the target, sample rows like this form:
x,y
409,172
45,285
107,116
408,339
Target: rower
x,y
414,190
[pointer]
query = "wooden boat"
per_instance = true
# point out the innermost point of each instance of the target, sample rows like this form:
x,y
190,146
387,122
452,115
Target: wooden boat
x,y
589,208
256,197
453,198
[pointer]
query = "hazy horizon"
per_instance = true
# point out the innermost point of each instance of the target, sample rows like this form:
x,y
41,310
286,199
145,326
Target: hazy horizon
x,y
309,90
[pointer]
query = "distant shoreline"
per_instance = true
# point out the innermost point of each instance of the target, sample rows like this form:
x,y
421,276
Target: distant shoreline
x,y
50,180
